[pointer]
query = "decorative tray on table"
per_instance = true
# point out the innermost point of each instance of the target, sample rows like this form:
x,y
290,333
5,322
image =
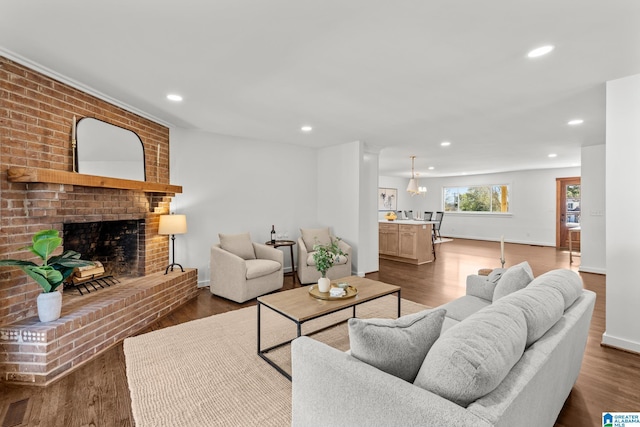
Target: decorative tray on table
x,y
350,292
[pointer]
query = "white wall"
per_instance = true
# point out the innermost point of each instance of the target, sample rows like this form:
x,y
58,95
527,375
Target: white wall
x,y
234,185
593,235
339,192
368,245
347,200
623,238
532,218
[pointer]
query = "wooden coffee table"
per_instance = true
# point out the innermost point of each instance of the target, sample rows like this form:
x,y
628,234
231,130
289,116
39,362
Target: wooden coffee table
x,y
299,306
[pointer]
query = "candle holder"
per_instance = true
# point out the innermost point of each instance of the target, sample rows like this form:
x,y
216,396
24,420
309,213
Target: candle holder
x,y
73,145
73,154
502,262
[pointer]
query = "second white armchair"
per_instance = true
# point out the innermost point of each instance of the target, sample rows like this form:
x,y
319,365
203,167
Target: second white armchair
x,y
307,272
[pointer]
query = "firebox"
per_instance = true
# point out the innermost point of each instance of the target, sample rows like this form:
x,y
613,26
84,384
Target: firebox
x,y
114,243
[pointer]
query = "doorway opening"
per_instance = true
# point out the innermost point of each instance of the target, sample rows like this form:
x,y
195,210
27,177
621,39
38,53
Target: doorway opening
x,y
567,212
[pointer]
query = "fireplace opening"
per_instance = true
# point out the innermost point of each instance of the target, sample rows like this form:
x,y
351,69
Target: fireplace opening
x,y
115,244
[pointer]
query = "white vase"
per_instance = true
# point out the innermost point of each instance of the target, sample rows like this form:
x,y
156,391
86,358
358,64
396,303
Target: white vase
x,y
324,284
49,306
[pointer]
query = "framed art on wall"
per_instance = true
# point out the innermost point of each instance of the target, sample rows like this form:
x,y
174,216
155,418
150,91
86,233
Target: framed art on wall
x,y
387,199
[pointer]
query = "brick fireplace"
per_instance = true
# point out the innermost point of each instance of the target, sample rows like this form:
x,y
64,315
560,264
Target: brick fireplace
x,y
36,113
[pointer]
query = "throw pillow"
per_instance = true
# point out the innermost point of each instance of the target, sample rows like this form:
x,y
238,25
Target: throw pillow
x,y
566,281
398,346
472,358
496,274
315,236
238,244
542,307
514,279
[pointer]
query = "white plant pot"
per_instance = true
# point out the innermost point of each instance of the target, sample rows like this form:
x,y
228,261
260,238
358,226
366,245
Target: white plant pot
x,y
49,306
324,284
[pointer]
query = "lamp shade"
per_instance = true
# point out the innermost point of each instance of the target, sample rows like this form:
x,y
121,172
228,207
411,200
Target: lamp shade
x,y
173,224
413,186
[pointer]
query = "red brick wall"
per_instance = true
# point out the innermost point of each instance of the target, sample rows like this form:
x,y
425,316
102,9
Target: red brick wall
x,y
36,114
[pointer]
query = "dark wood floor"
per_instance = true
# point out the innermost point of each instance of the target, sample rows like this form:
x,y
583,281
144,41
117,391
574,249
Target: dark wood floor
x,y
96,394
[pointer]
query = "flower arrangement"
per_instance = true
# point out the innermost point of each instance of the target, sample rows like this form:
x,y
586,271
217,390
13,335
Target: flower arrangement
x,y
326,255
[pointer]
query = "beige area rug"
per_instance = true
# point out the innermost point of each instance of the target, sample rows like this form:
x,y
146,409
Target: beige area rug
x,y
207,372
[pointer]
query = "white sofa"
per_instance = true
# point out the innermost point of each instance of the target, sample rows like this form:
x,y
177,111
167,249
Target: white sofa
x,y
334,388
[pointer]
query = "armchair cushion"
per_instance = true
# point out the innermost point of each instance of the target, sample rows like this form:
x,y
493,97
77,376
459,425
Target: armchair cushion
x,y
238,244
261,267
315,236
396,346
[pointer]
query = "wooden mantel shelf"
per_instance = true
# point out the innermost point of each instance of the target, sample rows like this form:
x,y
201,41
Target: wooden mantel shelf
x,y
72,178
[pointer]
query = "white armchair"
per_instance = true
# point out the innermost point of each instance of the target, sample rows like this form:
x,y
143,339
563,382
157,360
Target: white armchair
x,y
242,270
306,269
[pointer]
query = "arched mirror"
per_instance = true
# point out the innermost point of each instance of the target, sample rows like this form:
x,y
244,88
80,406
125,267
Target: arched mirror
x,y
104,149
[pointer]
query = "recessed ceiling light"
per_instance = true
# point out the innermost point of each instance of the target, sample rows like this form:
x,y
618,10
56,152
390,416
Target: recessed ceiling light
x,y
306,128
431,168
540,51
174,97
445,143
552,155
575,122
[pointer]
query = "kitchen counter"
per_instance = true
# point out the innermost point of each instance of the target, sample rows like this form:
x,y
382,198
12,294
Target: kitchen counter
x,y
407,221
406,240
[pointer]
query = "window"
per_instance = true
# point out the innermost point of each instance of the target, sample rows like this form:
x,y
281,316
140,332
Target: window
x,y
480,198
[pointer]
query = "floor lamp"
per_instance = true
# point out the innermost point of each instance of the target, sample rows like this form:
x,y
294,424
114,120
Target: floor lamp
x,y
172,225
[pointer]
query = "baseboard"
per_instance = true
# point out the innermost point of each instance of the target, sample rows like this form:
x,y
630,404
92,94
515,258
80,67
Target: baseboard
x,y
520,242
620,343
596,270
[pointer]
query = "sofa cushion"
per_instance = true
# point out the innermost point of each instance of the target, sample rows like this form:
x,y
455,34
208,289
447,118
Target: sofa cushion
x,y
514,279
471,358
496,274
398,346
566,281
315,236
463,307
542,307
261,267
238,244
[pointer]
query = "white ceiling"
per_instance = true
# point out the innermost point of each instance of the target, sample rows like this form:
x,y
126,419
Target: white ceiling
x,y
401,75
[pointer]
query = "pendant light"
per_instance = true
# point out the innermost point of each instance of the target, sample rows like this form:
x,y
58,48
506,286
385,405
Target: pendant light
x,y
412,188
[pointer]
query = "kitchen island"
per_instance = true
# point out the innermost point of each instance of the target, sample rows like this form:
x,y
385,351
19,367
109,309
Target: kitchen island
x,y
406,241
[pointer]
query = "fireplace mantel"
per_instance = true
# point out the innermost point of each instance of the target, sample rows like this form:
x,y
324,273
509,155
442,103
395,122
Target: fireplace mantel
x,y
27,175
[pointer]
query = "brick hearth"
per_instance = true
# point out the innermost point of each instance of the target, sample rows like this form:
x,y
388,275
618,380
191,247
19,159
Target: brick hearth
x,y
38,353
33,352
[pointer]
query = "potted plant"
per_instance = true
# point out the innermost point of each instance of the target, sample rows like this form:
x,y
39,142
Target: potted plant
x,y
51,274
325,256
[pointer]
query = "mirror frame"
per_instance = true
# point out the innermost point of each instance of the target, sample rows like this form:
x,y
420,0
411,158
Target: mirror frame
x,y
107,146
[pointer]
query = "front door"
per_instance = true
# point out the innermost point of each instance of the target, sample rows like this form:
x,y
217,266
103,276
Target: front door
x,y
567,211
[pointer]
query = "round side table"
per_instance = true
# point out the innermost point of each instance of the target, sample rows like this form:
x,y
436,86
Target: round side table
x,y
290,244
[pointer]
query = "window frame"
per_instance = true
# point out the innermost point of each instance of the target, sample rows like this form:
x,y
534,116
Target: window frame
x,y
490,187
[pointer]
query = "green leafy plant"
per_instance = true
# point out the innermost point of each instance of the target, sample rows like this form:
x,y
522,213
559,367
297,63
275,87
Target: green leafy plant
x,y
326,255
54,269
